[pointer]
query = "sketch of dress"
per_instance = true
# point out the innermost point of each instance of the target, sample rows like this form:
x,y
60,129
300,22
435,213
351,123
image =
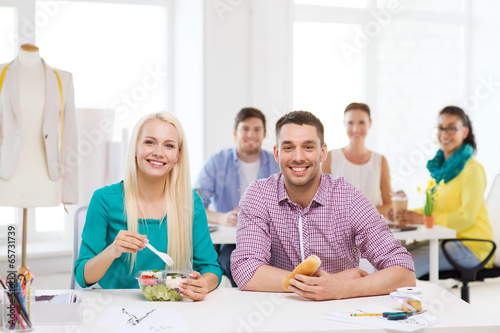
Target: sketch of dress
x,y
133,320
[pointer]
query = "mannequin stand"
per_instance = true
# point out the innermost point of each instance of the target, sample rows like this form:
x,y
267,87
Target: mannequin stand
x,y
23,269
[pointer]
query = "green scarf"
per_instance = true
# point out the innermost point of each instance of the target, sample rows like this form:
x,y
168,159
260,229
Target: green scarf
x,y
449,169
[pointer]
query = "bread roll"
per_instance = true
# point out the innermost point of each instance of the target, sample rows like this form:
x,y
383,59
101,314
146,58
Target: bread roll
x,y
307,267
414,303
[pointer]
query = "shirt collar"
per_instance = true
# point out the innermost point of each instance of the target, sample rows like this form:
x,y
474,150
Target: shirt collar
x,y
235,155
320,198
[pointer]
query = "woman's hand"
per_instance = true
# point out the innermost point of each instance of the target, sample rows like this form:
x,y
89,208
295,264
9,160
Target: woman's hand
x,y
127,241
409,217
390,214
195,288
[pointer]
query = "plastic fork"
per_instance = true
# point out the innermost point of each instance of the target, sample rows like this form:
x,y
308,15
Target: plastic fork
x,y
165,257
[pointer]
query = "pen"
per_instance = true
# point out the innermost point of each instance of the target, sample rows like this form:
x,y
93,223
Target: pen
x,y
383,314
22,311
3,285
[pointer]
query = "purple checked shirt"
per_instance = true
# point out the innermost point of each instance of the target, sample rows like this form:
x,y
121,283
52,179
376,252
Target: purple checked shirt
x,y
339,225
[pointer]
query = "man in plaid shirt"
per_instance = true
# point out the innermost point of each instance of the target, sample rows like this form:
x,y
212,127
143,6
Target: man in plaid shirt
x,y
300,212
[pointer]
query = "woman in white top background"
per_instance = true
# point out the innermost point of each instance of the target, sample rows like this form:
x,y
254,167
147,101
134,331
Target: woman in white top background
x,y
367,170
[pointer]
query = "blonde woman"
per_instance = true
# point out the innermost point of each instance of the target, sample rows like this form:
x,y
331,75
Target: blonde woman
x,y
154,203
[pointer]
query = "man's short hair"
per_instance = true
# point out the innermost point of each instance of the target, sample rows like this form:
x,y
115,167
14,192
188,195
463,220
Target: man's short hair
x,y
246,113
301,118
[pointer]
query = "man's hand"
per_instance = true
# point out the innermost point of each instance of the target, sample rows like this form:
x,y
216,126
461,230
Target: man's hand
x,y
323,286
229,218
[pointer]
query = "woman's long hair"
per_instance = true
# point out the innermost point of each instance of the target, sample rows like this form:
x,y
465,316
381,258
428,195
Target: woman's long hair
x,y
178,202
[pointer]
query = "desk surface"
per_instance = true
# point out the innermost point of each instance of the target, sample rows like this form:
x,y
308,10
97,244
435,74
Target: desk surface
x,y
422,233
223,235
227,235
231,310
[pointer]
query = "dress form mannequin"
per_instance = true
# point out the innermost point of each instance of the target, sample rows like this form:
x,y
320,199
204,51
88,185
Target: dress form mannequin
x,y
30,185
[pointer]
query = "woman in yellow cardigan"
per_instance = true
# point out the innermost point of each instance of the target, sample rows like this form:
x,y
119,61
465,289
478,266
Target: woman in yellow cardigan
x,y
460,204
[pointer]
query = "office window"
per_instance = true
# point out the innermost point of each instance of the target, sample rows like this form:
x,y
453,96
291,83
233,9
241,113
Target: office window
x,y
324,82
335,3
406,68
50,219
449,6
7,33
117,53
121,66
419,73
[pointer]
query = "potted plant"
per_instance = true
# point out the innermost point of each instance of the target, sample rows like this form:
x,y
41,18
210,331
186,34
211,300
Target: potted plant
x,y
430,195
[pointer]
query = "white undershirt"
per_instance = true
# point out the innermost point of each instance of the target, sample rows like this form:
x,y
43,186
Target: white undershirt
x,y
248,173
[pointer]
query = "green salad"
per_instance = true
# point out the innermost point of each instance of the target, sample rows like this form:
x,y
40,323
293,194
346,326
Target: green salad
x,y
161,285
160,292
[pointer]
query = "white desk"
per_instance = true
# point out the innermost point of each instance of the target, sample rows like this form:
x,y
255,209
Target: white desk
x,y
231,310
227,235
433,235
223,235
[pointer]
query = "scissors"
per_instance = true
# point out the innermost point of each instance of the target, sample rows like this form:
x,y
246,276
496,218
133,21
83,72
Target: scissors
x,y
399,316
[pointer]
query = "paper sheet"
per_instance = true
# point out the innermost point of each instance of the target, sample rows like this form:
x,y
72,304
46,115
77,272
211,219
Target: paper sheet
x,y
151,319
413,323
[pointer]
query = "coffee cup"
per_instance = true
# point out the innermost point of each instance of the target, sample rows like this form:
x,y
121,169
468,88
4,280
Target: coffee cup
x,y
399,203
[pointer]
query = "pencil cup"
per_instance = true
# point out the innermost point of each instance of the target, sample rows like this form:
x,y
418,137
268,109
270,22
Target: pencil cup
x,y
16,309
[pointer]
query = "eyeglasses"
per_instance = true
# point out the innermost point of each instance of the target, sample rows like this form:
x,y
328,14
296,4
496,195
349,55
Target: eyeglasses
x,y
449,130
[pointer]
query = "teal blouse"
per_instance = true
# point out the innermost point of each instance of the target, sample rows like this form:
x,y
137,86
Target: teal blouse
x,y
106,217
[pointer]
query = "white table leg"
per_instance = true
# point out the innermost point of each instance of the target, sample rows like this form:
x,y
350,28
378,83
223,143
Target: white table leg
x,y
433,260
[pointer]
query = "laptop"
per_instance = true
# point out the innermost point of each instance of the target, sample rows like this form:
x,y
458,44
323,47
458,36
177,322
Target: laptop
x,y
394,227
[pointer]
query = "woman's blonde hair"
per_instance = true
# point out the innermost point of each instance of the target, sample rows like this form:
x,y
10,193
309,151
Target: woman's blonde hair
x,y
178,203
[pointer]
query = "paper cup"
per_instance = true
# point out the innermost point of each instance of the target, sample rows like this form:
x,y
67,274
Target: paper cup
x,y
399,203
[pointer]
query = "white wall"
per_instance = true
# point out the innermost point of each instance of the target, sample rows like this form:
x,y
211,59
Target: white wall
x,y
484,98
226,69
188,67
246,64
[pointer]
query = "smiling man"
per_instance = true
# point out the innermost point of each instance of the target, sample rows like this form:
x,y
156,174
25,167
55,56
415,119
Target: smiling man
x,y
226,174
301,212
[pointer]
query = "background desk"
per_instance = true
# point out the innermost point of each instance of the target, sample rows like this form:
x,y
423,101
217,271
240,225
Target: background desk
x,y
231,310
227,235
433,235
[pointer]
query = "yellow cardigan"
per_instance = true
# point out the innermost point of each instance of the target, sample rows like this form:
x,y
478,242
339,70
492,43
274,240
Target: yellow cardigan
x,y
461,206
